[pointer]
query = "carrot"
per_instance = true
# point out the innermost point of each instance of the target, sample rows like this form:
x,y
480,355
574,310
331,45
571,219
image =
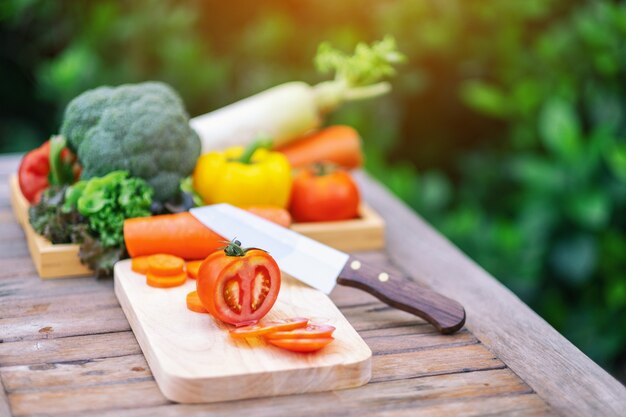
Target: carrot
x,y
139,264
340,145
192,268
194,304
168,281
178,234
274,214
164,264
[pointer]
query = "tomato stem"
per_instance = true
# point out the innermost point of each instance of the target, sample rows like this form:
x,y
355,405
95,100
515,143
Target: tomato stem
x,y
321,169
234,248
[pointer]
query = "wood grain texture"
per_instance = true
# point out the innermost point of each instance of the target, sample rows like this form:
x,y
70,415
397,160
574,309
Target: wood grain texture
x,y
76,349
5,409
393,395
58,370
560,373
365,233
195,360
400,292
517,405
420,396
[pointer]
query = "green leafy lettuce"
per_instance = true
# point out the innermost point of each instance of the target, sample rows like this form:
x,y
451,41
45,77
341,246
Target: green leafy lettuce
x,y
91,213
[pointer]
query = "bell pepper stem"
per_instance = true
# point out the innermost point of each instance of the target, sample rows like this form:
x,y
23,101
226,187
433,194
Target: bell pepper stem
x,y
60,171
261,143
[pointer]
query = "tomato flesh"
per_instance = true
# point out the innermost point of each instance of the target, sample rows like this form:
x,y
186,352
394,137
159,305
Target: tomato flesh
x,y
311,331
269,327
301,345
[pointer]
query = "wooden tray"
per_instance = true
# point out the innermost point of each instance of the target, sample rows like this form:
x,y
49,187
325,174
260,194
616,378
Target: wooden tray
x,y
193,359
61,260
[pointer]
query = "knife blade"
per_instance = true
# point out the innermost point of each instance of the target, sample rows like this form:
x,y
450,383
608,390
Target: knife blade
x,y
322,267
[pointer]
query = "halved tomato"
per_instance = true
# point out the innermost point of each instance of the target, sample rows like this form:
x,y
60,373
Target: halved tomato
x,y
269,327
301,345
238,286
311,331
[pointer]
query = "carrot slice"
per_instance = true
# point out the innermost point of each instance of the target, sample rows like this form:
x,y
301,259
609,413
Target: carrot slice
x,y
163,264
168,281
194,303
192,268
139,264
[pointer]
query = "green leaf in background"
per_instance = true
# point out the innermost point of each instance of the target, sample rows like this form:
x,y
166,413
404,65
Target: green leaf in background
x,y
484,97
435,191
591,209
538,173
573,258
616,159
560,129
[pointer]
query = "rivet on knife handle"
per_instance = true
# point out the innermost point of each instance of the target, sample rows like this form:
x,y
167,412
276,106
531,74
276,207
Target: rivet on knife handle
x,y
445,314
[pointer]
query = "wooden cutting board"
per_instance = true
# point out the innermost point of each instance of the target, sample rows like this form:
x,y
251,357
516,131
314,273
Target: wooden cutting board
x,y
194,360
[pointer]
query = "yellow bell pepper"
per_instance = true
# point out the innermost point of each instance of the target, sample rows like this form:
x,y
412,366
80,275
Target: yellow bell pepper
x,y
243,177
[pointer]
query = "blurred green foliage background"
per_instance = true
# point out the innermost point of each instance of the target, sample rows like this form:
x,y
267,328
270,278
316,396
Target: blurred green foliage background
x,y
506,128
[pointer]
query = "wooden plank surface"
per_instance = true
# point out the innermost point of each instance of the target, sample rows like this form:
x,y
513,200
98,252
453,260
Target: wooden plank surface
x,y
194,360
67,349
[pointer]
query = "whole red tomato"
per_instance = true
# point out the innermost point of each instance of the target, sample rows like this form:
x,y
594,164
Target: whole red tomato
x,y
238,286
319,195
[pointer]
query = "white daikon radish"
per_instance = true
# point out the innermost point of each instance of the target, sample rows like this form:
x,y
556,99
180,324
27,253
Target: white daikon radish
x,y
290,110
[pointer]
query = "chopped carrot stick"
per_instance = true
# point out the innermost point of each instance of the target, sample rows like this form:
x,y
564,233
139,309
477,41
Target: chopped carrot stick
x,y
163,264
194,303
168,281
139,264
192,268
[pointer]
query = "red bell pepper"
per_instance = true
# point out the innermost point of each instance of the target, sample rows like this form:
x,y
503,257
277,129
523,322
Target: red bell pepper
x,y
35,173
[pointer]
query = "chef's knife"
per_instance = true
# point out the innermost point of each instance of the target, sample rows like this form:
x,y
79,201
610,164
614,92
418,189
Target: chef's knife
x,y
322,267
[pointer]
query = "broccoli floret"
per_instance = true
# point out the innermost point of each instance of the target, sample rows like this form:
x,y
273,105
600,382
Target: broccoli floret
x,y
140,128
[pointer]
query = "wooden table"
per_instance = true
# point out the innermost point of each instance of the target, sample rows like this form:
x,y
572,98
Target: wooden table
x,y
66,348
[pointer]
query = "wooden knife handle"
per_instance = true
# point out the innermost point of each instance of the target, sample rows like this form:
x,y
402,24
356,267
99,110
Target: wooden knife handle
x,y
445,314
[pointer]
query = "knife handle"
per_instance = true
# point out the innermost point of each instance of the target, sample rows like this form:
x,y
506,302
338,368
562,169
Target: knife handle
x,y
445,314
